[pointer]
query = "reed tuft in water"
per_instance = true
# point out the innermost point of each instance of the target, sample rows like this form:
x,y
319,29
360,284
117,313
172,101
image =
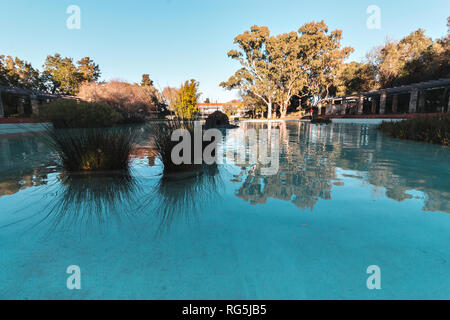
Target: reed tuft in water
x,y
93,149
162,141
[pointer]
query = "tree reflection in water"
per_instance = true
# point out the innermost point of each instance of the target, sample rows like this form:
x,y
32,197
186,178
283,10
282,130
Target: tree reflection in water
x,y
314,160
312,157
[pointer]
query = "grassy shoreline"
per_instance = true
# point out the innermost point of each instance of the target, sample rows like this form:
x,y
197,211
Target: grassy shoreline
x,y
432,129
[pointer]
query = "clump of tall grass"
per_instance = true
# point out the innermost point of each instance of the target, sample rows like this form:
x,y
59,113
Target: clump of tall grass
x,y
162,141
92,149
431,129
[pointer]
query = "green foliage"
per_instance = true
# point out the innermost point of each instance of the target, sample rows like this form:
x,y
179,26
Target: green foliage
x,y
415,58
78,114
187,100
92,149
254,107
434,129
63,77
146,81
88,70
21,74
60,75
229,109
355,77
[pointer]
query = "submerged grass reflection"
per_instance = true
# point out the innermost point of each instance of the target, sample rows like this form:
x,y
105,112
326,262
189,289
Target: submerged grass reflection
x,y
88,199
183,196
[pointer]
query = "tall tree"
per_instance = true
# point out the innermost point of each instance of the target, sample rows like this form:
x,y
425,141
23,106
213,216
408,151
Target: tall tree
x,y
323,56
256,75
170,96
277,68
355,77
253,105
289,71
187,100
415,58
394,57
90,71
62,75
19,73
146,81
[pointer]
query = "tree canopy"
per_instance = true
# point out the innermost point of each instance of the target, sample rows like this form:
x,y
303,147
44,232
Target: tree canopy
x,y
186,99
274,69
146,81
19,73
59,76
414,58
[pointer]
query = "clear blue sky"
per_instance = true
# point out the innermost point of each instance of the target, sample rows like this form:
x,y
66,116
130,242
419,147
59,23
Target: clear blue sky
x,y
175,40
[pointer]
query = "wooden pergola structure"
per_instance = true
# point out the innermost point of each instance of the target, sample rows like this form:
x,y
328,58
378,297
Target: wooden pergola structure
x,y
354,104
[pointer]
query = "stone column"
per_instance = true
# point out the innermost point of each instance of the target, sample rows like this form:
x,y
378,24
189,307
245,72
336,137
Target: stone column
x,y
20,106
374,105
333,107
448,104
421,104
361,104
2,112
442,107
343,107
395,103
34,105
383,102
319,108
413,100
328,108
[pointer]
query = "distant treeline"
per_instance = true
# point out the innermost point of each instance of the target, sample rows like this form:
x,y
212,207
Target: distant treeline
x,y
59,76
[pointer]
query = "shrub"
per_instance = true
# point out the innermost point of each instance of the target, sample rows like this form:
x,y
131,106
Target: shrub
x,y
134,102
78,114
93,149
431,129
320,120
217,119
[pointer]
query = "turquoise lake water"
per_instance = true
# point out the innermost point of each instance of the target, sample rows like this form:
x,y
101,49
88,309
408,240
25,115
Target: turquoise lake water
x,y
345,197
